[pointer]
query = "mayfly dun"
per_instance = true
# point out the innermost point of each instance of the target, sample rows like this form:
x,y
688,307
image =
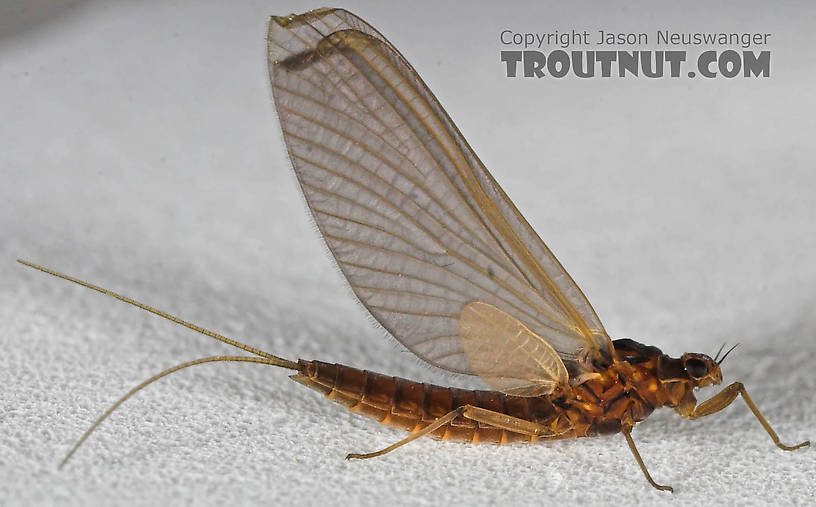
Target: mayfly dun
x,y
441,257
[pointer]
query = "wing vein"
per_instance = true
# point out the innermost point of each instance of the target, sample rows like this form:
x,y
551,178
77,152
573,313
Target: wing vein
x,y
365,147
485,273
467,176
423,261
436,239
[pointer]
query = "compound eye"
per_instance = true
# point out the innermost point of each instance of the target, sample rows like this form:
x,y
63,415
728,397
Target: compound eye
x,y
696,368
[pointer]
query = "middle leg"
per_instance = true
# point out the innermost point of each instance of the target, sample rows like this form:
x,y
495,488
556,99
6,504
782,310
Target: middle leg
x,y
627,432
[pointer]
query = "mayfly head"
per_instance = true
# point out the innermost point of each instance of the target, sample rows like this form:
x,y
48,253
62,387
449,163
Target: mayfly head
x,y
701,369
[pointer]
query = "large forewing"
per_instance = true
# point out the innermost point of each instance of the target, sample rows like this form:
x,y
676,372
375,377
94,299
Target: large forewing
x,y
415,222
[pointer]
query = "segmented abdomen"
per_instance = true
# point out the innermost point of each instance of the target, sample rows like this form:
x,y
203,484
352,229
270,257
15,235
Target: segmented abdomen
x,y
412,405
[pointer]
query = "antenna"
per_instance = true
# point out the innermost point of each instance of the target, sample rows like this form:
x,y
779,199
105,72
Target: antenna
x,y
718,352
726,354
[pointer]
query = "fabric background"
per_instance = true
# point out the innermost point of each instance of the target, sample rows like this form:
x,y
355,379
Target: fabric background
x,y
140,151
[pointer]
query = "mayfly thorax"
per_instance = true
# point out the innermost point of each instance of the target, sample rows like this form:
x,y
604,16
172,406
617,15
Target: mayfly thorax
x,y
441,257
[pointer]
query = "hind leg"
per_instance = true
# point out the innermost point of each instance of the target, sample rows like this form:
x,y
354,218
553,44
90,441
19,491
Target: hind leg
x,y
480,415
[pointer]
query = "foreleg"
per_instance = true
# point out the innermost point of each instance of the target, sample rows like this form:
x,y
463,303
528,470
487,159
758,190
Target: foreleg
x,y
724,398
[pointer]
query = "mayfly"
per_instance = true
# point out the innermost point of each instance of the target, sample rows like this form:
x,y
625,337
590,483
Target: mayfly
x,y
441,257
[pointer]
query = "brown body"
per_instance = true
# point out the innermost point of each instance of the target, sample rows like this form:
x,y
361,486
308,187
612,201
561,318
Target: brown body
x,y
638,379
642,380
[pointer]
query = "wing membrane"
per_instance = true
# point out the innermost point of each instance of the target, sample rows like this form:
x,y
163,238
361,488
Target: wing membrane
x,y
416,223
506,354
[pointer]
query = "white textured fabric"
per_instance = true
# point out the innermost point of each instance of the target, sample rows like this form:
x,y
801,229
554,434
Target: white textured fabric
x,y
140,151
